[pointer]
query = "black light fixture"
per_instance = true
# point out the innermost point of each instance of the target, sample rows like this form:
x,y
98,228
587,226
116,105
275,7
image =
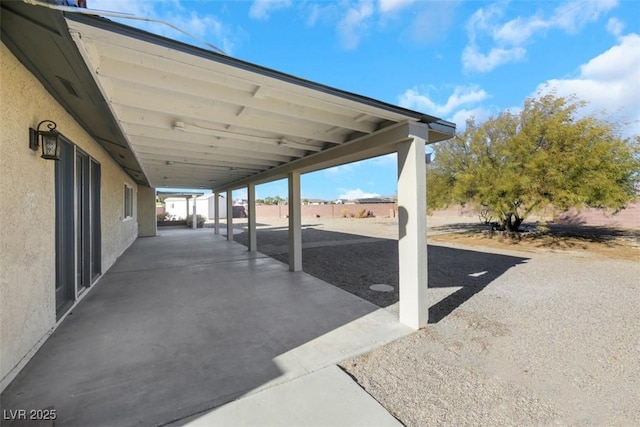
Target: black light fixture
x,y
48,139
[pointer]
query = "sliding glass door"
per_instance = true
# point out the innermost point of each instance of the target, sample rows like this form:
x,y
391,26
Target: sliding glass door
x,y
78,254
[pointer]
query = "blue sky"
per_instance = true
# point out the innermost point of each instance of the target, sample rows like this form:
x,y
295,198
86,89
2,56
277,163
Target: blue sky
x,y
451,59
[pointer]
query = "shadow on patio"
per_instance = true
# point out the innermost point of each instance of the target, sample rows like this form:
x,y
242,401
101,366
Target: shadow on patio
x,y
185,322
354,263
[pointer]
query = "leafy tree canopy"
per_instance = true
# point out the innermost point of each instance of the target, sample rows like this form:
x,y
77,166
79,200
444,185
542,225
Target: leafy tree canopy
x,y
545,155
277,200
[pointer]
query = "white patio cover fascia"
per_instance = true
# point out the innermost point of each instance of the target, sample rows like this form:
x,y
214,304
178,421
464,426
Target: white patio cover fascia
x,y
197,119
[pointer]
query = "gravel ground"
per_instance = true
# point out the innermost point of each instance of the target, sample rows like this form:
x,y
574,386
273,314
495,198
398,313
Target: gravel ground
x,y
515,338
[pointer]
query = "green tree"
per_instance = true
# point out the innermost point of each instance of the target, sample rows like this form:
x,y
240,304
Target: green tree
x,y
277,200
546,155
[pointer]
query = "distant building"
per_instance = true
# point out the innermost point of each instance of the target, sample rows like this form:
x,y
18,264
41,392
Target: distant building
x,y
314,202
364,201
180,207
374,200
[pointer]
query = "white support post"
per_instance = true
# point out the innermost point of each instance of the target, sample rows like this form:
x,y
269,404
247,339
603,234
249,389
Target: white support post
x,y
295,223
412,242
229,215
216,213
194,224
251,193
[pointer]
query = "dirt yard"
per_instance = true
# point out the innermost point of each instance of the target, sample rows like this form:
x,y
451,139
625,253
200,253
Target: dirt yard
x,y
538,331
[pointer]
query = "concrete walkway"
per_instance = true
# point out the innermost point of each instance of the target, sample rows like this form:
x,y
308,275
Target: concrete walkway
x,y
186,322
336,401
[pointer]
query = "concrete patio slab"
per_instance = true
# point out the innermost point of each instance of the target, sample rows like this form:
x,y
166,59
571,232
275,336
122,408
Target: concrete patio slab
x,y
186,322
328,397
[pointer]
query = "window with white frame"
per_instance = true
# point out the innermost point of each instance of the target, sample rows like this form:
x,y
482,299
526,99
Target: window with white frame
x,y
128,202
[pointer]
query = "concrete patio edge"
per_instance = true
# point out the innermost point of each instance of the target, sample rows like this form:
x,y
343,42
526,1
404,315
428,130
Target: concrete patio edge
x,y
327,397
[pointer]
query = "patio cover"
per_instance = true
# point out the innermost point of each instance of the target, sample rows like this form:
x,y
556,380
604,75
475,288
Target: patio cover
x,y
181,116
197,119
174,115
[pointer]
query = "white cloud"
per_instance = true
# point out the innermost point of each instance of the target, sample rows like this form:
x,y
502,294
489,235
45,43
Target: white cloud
x,y
479,114
505,42
610,81
430,21
354,24
260,9
482,21
472,59
205,27
411,21
615,26
393,5
313,14
356,194
574,15
519,30
462,95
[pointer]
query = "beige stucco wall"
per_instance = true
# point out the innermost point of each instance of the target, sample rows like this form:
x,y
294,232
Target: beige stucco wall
x,y
177,206
27,235
147,220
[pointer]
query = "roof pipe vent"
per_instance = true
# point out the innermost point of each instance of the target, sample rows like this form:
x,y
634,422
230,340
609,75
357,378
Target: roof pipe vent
x,y
178,126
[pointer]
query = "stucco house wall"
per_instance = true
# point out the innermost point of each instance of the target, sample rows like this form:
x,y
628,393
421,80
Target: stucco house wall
x,y
27,214
209,208
147,223
177,206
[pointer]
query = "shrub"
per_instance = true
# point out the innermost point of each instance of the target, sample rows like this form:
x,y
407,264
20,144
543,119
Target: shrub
x,y
200,221
363,213
165,216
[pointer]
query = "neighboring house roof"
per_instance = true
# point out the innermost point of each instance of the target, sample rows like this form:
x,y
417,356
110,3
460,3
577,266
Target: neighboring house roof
x,y
374,200
174,115
207,196
178,194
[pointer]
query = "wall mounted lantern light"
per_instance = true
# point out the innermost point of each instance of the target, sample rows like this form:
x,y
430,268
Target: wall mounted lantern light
x,y
49,140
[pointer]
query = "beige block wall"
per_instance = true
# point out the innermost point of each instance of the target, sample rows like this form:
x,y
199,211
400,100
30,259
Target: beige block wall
x,y
380,210
27,234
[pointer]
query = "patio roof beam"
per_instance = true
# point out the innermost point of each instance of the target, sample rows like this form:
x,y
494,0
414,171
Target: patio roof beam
x,y
382,142
271,83
203,158
182,183
201,167
187,173
142,76
187,147
220,138
138,101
